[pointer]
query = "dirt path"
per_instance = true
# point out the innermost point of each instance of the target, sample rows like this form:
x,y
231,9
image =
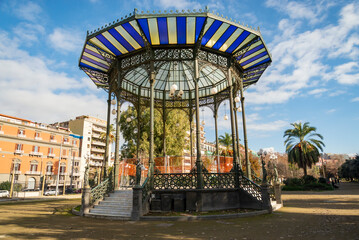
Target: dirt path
x,y
324,215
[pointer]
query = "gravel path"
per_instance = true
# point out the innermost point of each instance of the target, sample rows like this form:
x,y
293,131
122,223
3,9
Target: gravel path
x,y
306,215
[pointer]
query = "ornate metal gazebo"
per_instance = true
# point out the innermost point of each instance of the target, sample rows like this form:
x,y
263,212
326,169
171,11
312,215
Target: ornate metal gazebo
x,y
167,60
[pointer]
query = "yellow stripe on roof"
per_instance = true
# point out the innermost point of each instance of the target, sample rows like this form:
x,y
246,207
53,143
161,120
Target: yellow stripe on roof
x,y
100,45
114,42
152,25
190,30
255,45
95,58
135,26
208,24
217,35
252,55
256,61
93,65
128,37
231,39
172,30
248,39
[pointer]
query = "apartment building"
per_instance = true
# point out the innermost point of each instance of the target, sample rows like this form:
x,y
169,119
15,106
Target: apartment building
x,y
93,146
32,150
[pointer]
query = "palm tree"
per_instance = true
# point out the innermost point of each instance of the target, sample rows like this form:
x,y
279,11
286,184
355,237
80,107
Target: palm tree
x,y
226,141
111,134
301,145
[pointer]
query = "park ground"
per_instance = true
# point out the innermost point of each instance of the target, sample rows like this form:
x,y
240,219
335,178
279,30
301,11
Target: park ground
x,y
305,215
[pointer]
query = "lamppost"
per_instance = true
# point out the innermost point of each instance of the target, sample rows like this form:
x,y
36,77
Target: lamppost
x,y
58,168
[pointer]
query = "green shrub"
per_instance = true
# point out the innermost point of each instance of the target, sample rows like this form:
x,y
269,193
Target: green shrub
x,y
309,179
5,185
293,182
322,180
292,188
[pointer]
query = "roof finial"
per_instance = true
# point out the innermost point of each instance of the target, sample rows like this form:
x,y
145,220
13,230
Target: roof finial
x,y
206,9
135,11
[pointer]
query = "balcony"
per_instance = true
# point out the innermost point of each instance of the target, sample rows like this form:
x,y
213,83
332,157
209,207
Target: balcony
x,y
51,155
95,135
62,173
35,154
38,138
21,135
97,157
98,143
1,132
95,164
64,156
99,150
98,129
53,140
32,173
67,143
49,173
19,151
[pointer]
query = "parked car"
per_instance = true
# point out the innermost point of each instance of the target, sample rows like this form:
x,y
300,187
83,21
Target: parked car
x,y
4,193
50,192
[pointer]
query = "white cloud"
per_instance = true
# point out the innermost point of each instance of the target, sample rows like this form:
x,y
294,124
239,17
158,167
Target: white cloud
x,y
331,111
30,89
29,32
355,99
300,10
300,58
347,73
28,10
65,40
318,91
184,4
267,127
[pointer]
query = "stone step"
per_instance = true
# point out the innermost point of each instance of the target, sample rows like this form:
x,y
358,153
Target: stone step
x,y
106,213
114,199
110,216
112,208
114,204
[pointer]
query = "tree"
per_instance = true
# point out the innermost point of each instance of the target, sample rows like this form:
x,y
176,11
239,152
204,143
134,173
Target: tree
x,y
302,146
177,125
112,137
350,169
226,141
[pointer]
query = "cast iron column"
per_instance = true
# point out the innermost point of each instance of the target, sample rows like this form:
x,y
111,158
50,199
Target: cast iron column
x,y
235,164
138,124
238,148
248,164
191,128
198,131
151,160
164,130
107,152
117,146
215,115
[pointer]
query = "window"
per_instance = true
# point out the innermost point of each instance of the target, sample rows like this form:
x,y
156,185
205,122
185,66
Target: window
x,y
35,149
21,132
76,164
64,152
19,147
49,167
62,169
74,142
89,138
52,138
1,131
66,140
37,135
51,151
33,166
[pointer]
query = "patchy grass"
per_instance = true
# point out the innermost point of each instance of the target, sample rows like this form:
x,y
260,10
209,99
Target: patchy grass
x,y
219,212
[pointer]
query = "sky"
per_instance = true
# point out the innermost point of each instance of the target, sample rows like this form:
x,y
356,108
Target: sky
x,y
314,76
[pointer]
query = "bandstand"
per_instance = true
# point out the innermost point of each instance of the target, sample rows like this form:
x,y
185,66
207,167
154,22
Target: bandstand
x,y
178,60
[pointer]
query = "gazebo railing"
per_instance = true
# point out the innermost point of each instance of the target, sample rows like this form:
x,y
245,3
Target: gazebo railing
x,y
146,189
218,180
171,181
250,187
99,191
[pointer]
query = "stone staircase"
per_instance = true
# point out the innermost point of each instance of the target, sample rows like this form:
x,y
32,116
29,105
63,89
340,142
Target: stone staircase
x,y
118,205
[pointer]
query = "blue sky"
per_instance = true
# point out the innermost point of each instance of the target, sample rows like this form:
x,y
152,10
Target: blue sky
x,y
314,76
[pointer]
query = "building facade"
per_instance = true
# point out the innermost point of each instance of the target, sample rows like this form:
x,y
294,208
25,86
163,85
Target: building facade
x,y
93,132
32,150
